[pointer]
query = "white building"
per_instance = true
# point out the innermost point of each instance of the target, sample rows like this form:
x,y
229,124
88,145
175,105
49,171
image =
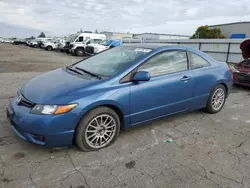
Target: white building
x,y
157,36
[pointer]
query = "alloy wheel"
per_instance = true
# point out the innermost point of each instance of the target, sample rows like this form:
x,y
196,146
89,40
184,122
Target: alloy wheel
x,y
218,99
100,131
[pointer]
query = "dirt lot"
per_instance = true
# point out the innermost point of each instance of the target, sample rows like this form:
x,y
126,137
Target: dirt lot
x,y
208,150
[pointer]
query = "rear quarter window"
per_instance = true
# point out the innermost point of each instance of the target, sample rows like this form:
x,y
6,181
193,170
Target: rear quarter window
x,y
196,61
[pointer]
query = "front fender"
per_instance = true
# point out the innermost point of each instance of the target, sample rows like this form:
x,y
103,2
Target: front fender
x,y
122,108
118,98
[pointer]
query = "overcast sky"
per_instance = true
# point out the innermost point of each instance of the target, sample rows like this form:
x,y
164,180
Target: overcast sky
x,y
161,16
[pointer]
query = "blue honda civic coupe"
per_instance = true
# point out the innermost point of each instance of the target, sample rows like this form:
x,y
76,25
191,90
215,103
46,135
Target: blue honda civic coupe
x,y
87,103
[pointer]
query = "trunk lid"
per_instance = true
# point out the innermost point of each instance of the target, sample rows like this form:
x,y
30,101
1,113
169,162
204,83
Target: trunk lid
x,y
245,48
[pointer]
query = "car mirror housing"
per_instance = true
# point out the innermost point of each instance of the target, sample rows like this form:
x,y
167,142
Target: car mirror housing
x,y
141,76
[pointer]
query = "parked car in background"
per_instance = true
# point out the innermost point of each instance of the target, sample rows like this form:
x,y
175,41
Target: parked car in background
x,y
92,49
241,71
20,41
90,101
53,44
7,41
33,43
79,49
41,40
80,40
28,42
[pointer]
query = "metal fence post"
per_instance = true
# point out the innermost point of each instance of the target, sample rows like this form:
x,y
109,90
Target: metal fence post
x,y
228,50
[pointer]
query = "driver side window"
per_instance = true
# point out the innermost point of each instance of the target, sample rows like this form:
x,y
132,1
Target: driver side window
x,y
80,39
166,63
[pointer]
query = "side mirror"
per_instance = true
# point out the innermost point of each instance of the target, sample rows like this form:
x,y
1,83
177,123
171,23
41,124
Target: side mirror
x,y
141,76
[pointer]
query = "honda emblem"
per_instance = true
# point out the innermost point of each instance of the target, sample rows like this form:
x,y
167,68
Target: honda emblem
x,y
18,100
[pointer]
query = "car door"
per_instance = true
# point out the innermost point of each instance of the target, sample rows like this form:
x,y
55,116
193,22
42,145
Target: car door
x,y
167,92
203,77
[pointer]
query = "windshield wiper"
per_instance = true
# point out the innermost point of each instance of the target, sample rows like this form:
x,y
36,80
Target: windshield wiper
x,y
91,73
73,70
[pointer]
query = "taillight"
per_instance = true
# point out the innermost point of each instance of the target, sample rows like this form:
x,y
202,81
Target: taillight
x,y
230,69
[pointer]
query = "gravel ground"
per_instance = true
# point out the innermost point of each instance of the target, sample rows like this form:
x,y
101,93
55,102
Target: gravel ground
x,y
208,150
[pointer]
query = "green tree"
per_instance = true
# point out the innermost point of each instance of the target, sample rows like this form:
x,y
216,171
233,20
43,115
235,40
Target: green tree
x,y
42,34
203,32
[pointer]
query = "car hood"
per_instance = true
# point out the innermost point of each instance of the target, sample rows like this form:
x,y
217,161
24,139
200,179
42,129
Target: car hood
x,y
54,87
94,45
245,48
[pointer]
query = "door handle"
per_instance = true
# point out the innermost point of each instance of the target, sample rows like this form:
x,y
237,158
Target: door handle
x,y
185,78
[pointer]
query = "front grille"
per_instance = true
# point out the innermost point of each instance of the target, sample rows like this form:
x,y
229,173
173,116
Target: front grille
x,y
71,46
25,102
90,49
245,81
241,74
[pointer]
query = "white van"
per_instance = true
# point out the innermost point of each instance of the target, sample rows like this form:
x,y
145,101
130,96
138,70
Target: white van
x,y
78,43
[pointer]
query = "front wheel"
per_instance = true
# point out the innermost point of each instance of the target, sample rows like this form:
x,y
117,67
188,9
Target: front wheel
x,y
79,52
216,99
49,48
98,129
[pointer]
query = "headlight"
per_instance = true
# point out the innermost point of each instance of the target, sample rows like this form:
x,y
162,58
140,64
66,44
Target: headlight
x,y
52,109
234,69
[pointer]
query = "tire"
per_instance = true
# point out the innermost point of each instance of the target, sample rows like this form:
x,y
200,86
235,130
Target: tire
x,y
80,52
49,48
88,124
210,108
35,46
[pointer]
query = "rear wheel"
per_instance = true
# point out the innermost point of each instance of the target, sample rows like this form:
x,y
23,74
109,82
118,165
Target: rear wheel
x,y
80,52
98,129
49,48
35,45
216,99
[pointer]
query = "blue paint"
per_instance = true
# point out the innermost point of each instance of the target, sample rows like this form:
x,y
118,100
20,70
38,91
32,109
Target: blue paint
x,y
139,102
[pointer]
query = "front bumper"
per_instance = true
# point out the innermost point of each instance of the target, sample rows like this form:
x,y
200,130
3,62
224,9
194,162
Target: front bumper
x,y
72,51
241,79
48,130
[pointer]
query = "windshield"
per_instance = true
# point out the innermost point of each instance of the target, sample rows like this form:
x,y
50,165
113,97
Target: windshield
x,y
48,40
112,61
72,38
107,42
86,40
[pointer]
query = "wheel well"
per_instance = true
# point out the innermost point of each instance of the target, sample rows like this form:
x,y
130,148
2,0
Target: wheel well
x,y
225,87
116,109
119,113
80,48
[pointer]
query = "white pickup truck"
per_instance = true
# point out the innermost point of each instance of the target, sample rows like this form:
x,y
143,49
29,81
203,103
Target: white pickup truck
x,y
79,49
53,44
97,48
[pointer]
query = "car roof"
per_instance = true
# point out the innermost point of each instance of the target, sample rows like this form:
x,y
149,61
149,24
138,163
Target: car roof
x,y
149,45
167,46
